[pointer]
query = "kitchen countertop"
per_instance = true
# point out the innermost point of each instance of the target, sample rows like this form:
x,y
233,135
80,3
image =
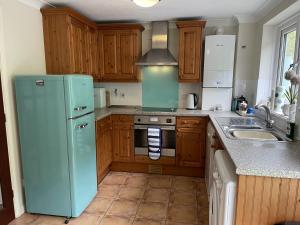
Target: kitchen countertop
x,y
255,158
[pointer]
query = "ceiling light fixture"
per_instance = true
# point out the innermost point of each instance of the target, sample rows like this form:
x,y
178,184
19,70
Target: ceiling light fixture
x,y
146,3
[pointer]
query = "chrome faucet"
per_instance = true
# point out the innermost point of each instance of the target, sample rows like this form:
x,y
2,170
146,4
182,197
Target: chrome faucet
x,y
269,121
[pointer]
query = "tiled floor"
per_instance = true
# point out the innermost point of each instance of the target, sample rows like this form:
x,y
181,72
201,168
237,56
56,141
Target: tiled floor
x,y
139,199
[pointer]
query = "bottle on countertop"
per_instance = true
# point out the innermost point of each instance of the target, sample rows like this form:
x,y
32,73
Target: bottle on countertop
x,y
290,130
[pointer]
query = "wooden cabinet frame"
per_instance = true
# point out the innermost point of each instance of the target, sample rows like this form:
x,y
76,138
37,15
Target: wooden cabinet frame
x,y
190,50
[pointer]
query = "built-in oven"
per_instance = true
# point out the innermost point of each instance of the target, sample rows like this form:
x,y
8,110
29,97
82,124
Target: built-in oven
x,y
167,125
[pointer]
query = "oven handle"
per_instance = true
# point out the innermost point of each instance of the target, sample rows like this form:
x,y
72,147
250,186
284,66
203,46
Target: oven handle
x,y
145,127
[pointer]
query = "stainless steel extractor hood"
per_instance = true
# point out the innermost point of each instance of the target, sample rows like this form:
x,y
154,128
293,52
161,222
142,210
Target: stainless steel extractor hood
x,y
159,55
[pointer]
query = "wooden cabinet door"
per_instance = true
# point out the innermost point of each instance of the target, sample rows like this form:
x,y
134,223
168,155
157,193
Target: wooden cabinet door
x,y
189,53
127,55
191,147
123,148
91,52
108,42
123,143
78,46
104,146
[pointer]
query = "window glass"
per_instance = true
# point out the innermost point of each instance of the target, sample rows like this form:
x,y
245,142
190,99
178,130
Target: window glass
x,y
288,54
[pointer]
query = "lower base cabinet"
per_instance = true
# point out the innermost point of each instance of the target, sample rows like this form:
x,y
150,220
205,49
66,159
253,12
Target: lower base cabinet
x,y
191,142
104,146
123,135
115,148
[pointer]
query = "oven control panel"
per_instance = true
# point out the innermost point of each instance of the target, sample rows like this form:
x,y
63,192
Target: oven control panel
x,y
157,120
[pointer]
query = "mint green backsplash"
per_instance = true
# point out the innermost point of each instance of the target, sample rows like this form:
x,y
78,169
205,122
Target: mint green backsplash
x,y
160,86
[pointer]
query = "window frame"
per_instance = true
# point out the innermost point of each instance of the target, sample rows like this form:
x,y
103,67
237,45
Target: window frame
x,y
282,48
283,28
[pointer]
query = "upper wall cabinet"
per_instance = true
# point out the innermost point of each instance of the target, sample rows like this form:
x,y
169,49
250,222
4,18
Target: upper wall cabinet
x,y
70,42
190,50
74,44
119,48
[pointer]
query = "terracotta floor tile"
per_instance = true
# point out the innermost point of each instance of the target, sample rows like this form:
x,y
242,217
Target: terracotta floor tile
x,y
99,205
136,181
108,191
26,218
49,220
160,182
157,195
86,219
122,207
114,180
147,222
174,223
184,185
131,193
184,198
114,173
115,220
139,175
182,214
151,210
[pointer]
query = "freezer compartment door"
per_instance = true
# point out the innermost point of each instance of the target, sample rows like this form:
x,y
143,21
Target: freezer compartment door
x,y
79,92
42,133
82,157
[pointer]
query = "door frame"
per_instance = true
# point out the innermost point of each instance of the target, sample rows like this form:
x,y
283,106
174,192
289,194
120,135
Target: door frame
x,y
7,214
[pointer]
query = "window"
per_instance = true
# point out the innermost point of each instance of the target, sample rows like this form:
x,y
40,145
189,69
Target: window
x,y
287,56
288,53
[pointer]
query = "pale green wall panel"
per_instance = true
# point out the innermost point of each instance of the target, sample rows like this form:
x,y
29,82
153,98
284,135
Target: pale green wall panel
x,y
160,86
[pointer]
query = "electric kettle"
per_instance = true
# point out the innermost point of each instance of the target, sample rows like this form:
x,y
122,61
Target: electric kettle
x,y
191,101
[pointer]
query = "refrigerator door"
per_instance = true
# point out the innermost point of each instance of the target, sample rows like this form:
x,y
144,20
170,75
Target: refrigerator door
x,y
42,133
79,92
82,157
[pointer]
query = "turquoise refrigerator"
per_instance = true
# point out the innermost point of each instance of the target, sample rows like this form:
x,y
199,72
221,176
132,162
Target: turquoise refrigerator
x,y
56,125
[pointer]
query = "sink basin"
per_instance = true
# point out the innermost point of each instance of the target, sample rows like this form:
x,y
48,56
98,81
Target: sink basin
x,y
254,135
251,129
246,127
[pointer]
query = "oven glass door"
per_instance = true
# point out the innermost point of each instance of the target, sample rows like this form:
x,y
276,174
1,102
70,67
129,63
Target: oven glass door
x,y
168,139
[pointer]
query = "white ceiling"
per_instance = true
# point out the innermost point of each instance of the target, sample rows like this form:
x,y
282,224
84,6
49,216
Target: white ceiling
x,y
126,10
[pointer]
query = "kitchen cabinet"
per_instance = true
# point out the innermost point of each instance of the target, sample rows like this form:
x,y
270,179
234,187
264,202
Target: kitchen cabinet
x,y
190,50
267,200
120,47
123,135
74,44
190,142
70,42
104,146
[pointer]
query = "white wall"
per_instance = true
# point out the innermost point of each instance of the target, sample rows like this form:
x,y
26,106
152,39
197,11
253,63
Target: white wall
x,y
22,52
245,80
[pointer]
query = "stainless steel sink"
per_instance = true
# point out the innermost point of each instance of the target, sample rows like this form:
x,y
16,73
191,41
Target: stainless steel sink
x,y
254,129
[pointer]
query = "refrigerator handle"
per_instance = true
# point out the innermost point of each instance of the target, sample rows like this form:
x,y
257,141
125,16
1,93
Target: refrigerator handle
x,y
81,126
80,108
